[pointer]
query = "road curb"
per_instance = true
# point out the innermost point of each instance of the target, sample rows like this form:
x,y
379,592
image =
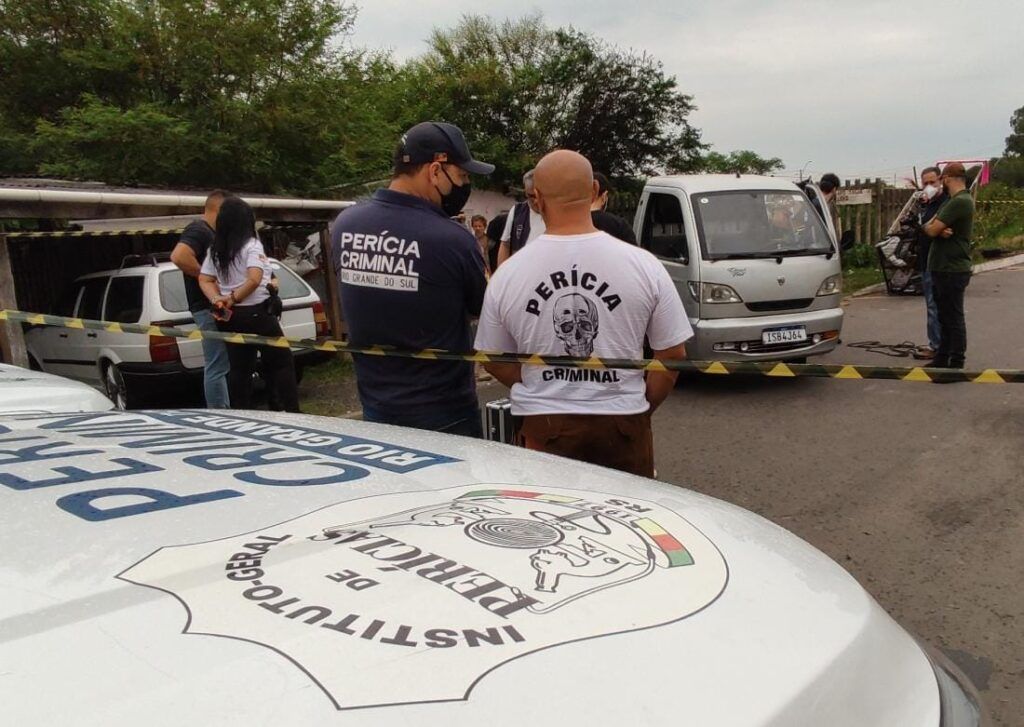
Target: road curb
x,y
1006,262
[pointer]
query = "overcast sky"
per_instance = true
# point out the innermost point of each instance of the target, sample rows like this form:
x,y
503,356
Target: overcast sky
x,y
862,88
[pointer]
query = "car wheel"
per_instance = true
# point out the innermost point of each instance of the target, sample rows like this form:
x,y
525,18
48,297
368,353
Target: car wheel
x,y
115,388
33,364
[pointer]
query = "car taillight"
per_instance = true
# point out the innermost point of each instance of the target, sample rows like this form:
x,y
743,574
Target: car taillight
x,y
164,349
320,318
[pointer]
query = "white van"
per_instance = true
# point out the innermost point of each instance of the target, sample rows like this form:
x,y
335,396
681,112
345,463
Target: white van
x,y
756,266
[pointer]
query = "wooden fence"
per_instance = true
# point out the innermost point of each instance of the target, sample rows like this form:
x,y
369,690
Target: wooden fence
x,y
870,220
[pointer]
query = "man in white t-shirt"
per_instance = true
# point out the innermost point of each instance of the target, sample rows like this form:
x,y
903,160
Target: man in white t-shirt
x,y
580,292
524,223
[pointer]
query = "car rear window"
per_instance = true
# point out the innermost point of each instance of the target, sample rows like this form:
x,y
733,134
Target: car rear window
x,y
291,284
91,306
172,291
124,299
172,288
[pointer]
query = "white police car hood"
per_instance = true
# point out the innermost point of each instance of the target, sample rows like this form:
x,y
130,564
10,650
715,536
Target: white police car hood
x,y
170,568
23,391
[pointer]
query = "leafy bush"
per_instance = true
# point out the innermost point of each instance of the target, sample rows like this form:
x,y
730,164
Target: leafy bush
x,y
994,221
1009,171
863,255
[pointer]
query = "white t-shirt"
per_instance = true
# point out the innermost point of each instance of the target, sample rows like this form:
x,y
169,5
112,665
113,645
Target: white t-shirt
x,y
250,256
581,295
537,227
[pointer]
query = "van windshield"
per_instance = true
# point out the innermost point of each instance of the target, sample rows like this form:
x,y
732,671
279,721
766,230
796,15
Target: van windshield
x,y
752,223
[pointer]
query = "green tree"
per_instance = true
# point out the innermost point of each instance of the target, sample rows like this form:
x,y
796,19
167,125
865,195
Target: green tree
x,y
519,89
268,95
742,162
41,53
96,140
1010,168
248,94
1015,141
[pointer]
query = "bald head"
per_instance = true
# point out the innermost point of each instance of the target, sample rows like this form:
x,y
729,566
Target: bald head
x,y
564,188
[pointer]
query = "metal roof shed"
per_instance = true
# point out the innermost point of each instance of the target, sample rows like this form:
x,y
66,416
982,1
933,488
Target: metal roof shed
x,y
55,200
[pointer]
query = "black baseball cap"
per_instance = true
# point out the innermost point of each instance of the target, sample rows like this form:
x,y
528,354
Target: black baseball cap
x,y
424,142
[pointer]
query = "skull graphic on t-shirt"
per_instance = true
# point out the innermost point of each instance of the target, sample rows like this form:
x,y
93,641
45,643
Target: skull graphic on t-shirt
x,y
576,321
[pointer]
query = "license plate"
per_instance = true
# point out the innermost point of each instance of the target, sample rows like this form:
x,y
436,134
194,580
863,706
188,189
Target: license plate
x,y
793,334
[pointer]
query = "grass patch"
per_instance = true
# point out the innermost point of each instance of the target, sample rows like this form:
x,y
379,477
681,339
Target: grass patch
x,y
329,388
855,279
332,372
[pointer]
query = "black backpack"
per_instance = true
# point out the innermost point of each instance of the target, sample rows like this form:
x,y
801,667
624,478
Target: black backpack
x,y
520,227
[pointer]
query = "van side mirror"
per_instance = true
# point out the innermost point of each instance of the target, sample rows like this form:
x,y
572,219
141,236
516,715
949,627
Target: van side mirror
x,y
847,240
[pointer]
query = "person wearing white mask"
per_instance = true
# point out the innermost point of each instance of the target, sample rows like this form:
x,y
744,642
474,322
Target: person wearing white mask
x,y
932,198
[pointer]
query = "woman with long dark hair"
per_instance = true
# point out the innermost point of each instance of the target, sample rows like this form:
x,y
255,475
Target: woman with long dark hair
x,y
236,276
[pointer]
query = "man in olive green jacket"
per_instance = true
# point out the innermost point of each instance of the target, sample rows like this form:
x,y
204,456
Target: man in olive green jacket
x,y
949,262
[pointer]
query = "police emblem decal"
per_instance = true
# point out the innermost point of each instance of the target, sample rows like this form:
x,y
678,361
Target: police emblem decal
x,y
467,578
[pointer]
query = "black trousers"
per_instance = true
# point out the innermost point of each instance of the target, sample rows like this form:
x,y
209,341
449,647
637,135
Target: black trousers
x,y
949,299
278,364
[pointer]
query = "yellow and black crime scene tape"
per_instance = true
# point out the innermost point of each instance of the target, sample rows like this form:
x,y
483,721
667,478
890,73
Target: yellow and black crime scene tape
x,y
94,233
260,225
768,368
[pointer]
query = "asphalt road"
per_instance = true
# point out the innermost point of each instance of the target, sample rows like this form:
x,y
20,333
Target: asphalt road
x,y
915,488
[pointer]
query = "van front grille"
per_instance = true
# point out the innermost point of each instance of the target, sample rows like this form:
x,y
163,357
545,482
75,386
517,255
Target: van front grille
x,y
765,306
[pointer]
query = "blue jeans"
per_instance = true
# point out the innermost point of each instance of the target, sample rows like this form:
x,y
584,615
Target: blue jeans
x,y
215,374
464,420
934,329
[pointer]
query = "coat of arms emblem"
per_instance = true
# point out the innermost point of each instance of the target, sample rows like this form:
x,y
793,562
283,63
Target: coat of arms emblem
x,y
466,579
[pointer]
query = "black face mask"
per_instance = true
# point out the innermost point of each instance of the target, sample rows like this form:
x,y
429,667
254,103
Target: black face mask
x,y
453,202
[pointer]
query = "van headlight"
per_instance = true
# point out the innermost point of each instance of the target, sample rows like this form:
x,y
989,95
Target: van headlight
x,y
713,293
833,285
960,705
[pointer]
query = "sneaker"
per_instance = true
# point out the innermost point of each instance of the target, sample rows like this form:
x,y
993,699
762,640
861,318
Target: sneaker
x,y
924,353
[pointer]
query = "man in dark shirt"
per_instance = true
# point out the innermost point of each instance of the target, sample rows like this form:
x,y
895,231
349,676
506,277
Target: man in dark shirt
x,y
494,229
829,186
949,262
410,277
606,221
932,198
188,255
